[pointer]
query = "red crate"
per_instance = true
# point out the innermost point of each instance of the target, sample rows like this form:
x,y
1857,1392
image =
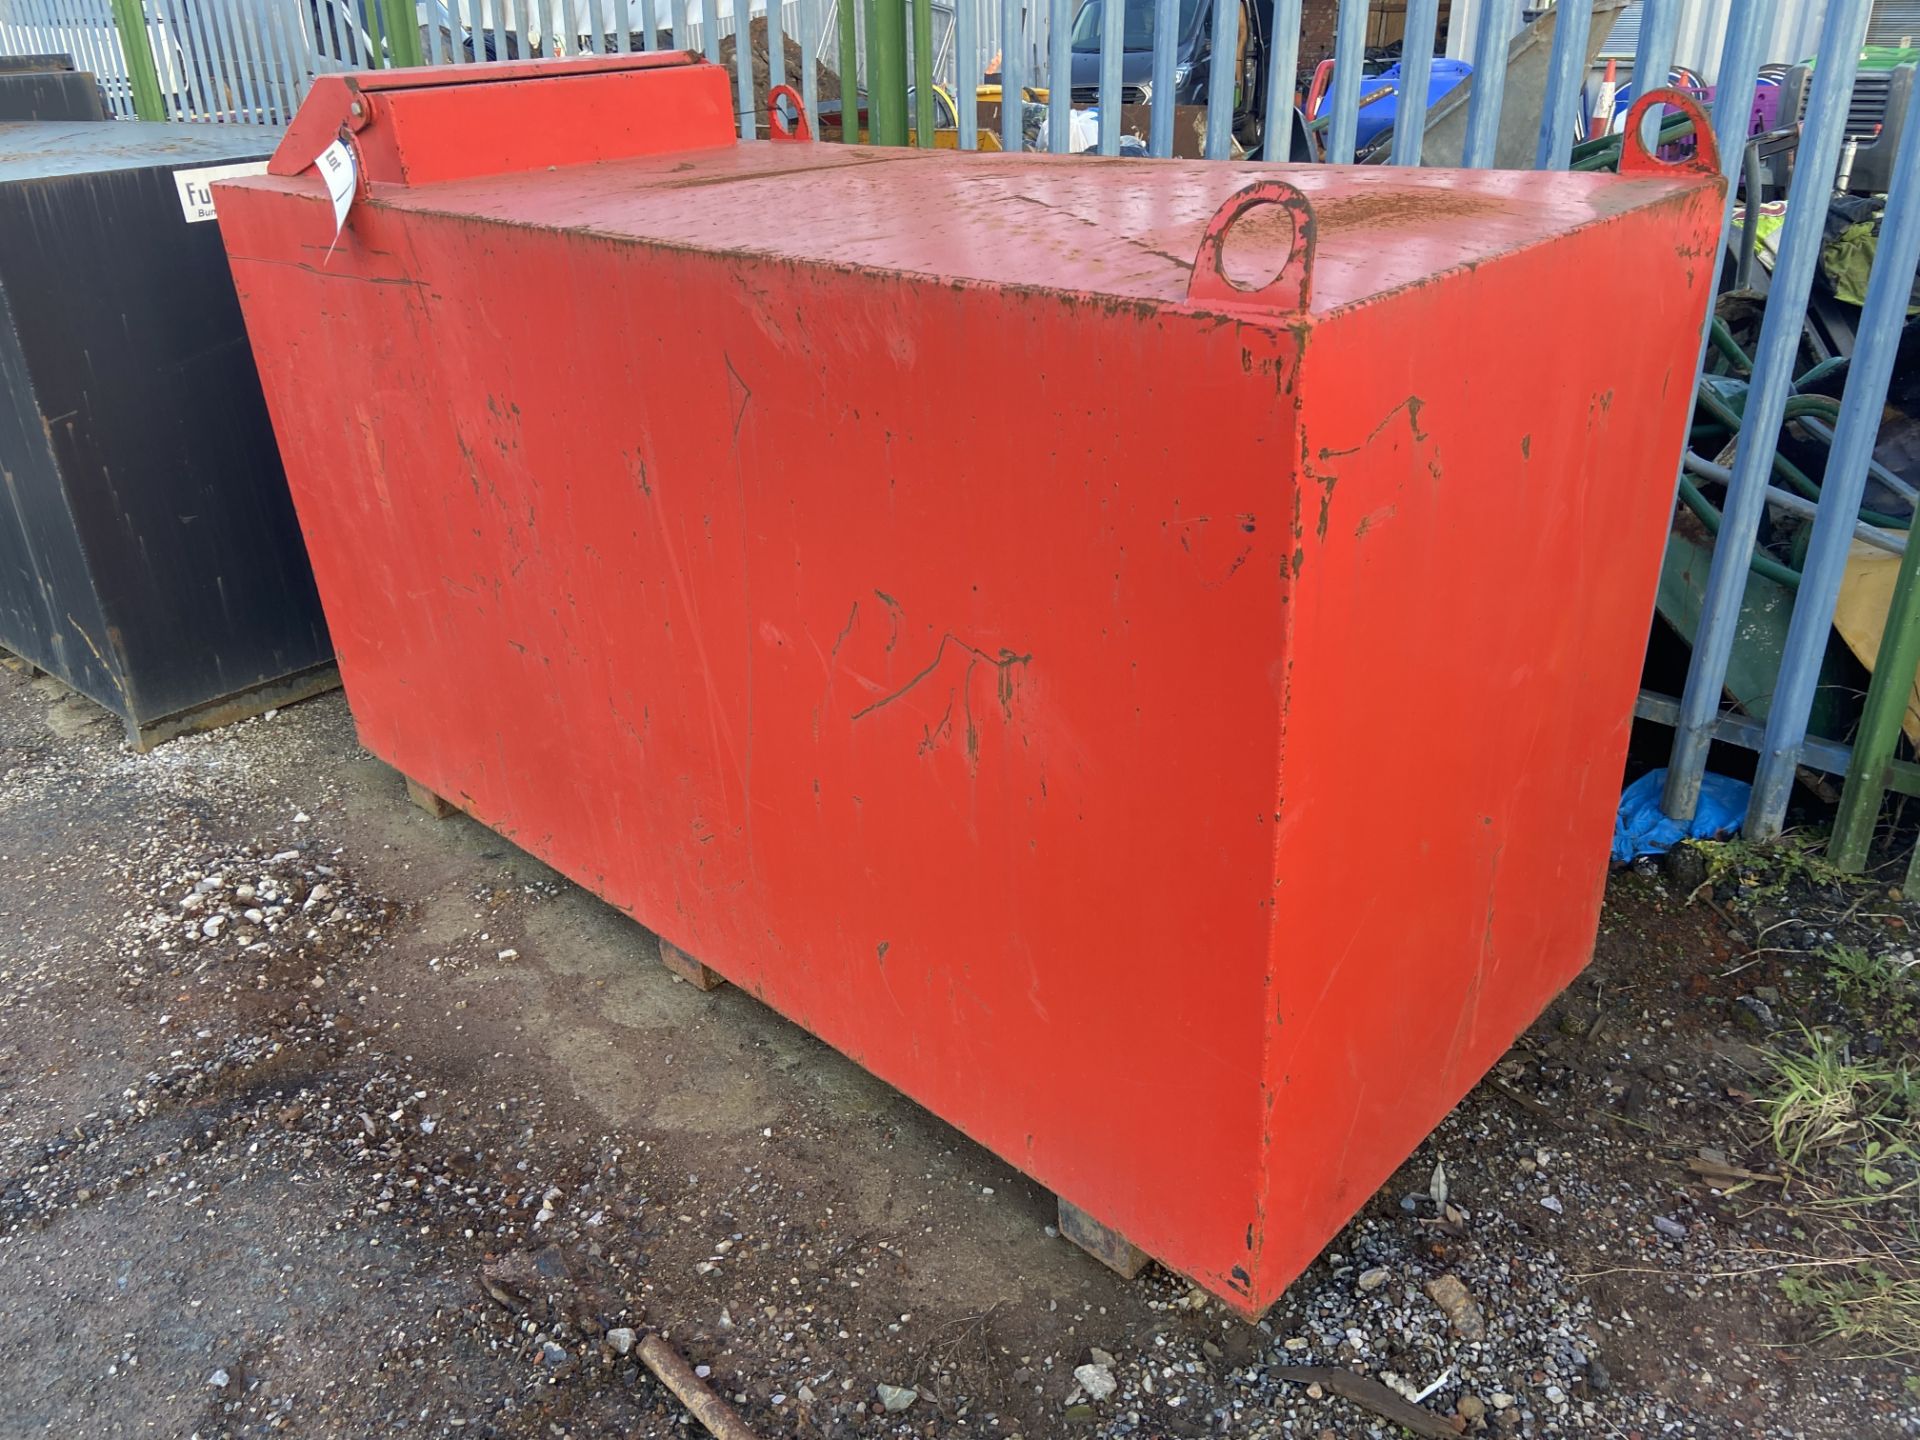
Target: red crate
x,y
1170,730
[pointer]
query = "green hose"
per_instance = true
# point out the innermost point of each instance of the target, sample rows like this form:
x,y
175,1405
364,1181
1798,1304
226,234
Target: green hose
x,y
1825,407
1821,406
1723,418
1721,336
1604,153
1797,548
1762,563
1724,342
1821,371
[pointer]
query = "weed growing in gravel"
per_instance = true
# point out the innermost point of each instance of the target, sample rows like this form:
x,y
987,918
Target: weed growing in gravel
x,y
1849,1128
1839,1102
1769,871
1882,984
1866,1306
1823,1100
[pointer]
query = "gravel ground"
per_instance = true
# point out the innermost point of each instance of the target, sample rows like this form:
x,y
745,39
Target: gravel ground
x,y
321,1117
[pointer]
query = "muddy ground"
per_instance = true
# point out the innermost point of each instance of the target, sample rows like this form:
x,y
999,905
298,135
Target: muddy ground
x,y
322,1117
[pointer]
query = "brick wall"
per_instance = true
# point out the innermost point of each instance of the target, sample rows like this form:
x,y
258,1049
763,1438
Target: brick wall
x,y
1317,20
1386,22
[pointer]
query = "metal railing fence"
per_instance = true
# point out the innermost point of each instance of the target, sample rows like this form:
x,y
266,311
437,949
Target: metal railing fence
x,y
252,61
239,61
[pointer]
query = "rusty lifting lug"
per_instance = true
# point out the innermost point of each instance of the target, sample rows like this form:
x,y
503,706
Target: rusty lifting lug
x,y
1637,159
778,127
1291,290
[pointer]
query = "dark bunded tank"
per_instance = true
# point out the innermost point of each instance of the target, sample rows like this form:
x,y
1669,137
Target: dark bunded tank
x,y
149,555
47,87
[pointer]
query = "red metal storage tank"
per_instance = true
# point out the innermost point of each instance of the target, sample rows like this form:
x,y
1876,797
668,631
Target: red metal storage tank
x,y
1170,730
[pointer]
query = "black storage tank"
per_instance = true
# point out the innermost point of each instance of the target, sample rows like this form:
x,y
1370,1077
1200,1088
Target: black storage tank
x,y
149,555
47,87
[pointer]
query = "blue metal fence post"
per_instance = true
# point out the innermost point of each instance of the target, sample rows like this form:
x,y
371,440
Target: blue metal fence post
x,y
178,25
1733,95
1653,56
1223,73
1416,68
1733,109
1882,322
966,73
1773,366
1349,53
1059,75
298,43
776,45
742,59
1113,39
1283,75
241,82
1166,17
1732,112
1013,79
1490,46
810,17
1574,20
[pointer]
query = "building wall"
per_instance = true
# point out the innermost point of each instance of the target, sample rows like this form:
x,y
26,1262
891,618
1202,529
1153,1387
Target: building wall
x,y
1793,32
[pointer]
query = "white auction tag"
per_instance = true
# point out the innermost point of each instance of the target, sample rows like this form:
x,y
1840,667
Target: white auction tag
x,y
341,174
196,186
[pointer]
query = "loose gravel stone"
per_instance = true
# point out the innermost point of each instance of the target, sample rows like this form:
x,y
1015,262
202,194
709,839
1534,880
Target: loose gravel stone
x,y
404,1145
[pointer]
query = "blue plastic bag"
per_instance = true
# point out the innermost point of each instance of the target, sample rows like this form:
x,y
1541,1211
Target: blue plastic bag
x,y
1641,829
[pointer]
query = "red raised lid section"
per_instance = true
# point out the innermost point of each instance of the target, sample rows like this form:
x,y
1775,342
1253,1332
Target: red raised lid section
x,y
414,127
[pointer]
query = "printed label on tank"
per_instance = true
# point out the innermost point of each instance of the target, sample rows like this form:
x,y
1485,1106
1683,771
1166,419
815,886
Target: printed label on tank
x,y
337,168
196,186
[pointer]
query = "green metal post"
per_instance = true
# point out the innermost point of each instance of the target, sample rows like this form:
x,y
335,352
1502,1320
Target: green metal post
x,y
869,26
403,31
377,55
130,19
1886,704
849,72
923,72
887,60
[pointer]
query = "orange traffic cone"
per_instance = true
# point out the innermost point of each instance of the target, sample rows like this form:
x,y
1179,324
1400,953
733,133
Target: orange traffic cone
x,y
1603,112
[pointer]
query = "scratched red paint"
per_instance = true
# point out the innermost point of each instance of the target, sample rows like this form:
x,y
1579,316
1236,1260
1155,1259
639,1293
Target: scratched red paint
x,y
1175,741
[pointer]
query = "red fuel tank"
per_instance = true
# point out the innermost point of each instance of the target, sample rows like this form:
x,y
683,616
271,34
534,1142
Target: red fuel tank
x,y
1138,654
